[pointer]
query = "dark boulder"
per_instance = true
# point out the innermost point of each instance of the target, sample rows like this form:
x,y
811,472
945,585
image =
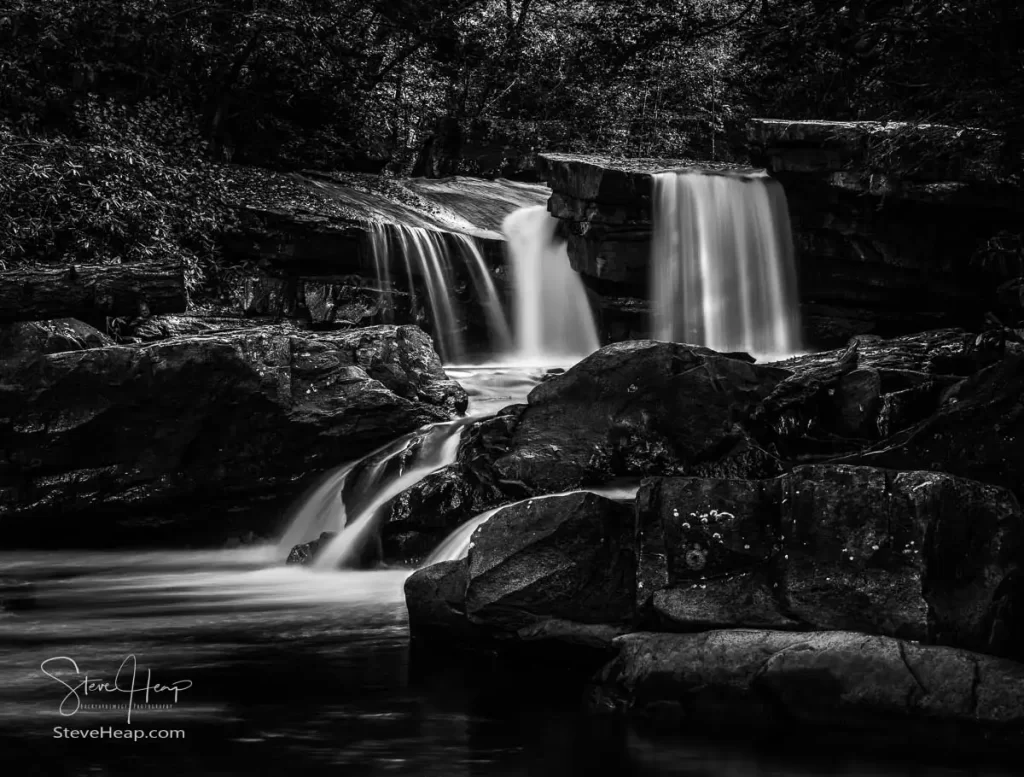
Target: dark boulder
x,y
637,408
886,691
977,432
118,432
436,599
566,558
305,553
918,555
27,339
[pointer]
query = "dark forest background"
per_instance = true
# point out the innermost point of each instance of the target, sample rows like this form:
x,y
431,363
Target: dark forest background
x,y
123,123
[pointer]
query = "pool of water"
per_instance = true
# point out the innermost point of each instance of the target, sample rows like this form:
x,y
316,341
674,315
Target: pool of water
x,y
287,670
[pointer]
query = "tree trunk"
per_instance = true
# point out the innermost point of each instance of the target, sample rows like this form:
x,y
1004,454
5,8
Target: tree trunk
x,y
91,291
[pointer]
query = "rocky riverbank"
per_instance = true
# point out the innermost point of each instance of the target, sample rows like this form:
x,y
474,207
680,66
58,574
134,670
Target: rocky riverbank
x,y
760,571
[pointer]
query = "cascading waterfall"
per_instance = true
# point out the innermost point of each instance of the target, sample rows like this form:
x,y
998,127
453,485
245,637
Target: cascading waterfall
x,y
553,319
323,507
722,268
497,323
427,254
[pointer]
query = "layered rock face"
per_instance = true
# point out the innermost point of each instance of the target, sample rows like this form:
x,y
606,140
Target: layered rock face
x,y
877,253
916,555
101,440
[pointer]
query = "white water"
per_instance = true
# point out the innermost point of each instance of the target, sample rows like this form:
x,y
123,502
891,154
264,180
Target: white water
x,y
456,545
552,315
437,450
722,267
497,324
427,256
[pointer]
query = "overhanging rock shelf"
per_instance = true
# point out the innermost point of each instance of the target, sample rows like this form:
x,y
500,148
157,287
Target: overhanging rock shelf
x,y
884,254
317,262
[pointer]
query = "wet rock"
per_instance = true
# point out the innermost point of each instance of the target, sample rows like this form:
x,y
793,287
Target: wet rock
x,y
977,432
436,600
418,519
568,558
305,553
917,555
635,408
27,339
148,330
119,431
819,682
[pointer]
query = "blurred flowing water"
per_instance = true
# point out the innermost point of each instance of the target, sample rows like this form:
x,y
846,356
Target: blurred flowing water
x,y
723,272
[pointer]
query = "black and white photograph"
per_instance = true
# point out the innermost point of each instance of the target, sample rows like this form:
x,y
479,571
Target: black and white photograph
x,y
511,388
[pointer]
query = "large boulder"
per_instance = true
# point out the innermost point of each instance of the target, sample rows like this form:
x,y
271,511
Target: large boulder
x,y
917,555
562,557
638,408
876,687
115,432
553,569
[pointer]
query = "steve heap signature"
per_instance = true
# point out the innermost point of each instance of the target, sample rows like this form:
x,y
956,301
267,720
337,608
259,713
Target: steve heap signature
x,y
125,682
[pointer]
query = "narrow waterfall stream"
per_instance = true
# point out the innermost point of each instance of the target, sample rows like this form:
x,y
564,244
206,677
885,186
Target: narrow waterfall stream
x,y
553,319
722,268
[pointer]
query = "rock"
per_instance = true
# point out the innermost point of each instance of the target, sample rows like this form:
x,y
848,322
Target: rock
x,y
436,599
917,555
978,432
91,292
115,432
419,518
148,330
568,558
305,553
816,683
634,408
28,339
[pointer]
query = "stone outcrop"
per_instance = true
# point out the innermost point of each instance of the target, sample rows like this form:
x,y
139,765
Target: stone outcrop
x,y
887,220
878,689
91,292
313,260
917,555
29,339
99,439
556,568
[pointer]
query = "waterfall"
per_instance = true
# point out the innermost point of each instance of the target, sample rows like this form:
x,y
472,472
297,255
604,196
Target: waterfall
x,y
722,268
437,448
497,324
553,319
427,255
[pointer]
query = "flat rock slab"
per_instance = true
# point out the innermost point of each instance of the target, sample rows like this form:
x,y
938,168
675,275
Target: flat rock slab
x,y
837,680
